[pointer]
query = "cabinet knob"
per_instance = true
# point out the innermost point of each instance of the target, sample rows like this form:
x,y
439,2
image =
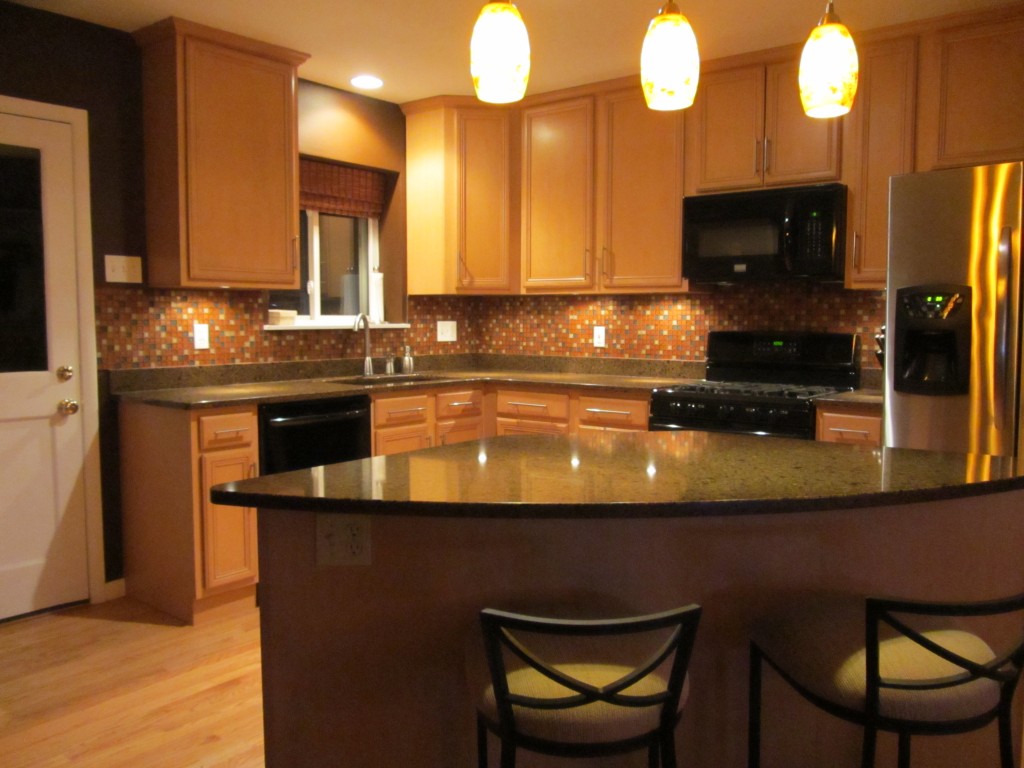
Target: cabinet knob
x,y
65,372
68,407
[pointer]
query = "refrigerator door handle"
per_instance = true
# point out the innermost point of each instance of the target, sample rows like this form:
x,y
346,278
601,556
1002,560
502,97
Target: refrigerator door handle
x,y
1003,277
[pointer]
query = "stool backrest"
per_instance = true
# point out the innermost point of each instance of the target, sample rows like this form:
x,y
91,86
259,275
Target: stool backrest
x,y
657,643
882,613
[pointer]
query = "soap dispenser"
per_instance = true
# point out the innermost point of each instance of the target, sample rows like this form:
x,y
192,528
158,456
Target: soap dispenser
x,y
407,363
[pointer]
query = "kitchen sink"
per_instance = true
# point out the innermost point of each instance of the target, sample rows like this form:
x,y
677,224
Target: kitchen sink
x,y
385,378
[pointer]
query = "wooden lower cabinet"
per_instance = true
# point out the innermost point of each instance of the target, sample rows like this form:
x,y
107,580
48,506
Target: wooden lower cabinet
x,y
610,413
851,424
183,554
427,418
459,416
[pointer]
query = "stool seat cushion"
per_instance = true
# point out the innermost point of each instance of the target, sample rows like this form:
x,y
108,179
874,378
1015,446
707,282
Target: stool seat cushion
x,y
595,722
822,650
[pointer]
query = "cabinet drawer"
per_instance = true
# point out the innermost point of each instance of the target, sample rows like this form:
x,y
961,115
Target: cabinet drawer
x,y
455,404
533,405
613,412
227,430
530,427
849,428
400,410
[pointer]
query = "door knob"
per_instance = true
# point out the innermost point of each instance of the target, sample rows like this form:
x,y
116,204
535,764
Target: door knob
x,y
68,407
65,372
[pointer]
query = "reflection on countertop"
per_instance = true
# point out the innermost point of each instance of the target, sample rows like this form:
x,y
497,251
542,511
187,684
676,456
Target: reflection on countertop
x,y
645,474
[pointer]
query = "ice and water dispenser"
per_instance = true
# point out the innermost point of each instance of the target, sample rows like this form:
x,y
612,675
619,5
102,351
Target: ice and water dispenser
x,y
932,340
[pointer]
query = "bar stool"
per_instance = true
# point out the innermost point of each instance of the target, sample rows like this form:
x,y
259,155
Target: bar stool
x,y
900,666
583,688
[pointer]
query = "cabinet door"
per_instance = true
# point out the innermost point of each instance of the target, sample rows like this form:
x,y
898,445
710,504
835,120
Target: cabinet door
x,y
728,118
558,195
229,552
450,431
880,144
972,94
798,149
241,156
484,261
640,188
389,440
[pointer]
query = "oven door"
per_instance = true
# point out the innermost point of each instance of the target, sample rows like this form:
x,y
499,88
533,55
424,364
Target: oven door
x,y
791,419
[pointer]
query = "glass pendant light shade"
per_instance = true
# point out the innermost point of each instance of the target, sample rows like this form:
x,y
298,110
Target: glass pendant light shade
x,y
499,54
828,68
669,61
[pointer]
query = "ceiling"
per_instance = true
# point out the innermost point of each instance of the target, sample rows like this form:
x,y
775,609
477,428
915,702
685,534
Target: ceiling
x,y
420,48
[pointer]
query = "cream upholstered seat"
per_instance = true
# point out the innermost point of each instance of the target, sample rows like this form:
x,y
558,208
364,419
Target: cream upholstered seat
x,y
870,662
583,687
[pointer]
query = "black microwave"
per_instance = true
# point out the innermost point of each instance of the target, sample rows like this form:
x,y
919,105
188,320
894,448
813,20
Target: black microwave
x,y
769,234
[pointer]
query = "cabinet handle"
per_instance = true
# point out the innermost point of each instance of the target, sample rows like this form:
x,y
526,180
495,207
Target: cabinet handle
x,y
528,405
406,410
767,152
235,431
467,402
295,252
606,410
463,272
252,470
844,431
856,250
586,264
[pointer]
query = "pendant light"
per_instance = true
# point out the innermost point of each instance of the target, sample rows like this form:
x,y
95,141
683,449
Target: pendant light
x,y
828,68
669,61
499,54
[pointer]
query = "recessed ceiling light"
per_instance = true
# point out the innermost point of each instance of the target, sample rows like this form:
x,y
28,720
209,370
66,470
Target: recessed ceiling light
x,y
366,82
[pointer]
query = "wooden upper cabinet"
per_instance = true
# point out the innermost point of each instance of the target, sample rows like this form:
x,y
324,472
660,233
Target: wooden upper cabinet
x,y
879,144
639,194
558,196
220,127
971,107
459,190
747,129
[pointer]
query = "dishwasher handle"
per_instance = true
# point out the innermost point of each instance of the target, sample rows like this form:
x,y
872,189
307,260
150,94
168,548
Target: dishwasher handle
x,y
337,417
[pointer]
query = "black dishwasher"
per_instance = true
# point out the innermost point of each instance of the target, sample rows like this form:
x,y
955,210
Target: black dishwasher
x,y
308,433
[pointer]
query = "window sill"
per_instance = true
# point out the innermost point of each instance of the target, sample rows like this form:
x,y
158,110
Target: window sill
x,y
309,325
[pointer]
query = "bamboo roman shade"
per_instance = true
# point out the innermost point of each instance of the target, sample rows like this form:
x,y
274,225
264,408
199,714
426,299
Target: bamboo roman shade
x,y
341,189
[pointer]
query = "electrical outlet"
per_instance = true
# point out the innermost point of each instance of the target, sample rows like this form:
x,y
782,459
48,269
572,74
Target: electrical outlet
x,y
201,335
447,330
598,335
342,540
122,269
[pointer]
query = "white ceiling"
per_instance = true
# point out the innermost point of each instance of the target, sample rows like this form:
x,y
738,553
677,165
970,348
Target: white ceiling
x,y
420,48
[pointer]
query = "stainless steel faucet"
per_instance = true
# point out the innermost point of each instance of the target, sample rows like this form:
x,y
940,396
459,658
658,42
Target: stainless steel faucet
x,y
367,360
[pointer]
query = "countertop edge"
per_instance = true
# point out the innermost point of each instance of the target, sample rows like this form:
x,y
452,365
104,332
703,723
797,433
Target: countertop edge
x,y
224,494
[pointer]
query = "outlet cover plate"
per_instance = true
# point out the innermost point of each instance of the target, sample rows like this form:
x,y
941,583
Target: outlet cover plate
x,y
447,330
599,336
342,540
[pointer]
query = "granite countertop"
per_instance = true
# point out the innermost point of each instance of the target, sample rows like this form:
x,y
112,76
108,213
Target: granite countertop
x,y
868,397
340,386
617,475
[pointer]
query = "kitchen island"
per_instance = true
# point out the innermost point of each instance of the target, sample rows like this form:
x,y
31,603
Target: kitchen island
x,y
372,573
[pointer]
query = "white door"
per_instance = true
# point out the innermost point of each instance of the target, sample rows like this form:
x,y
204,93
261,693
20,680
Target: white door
x,y
43,548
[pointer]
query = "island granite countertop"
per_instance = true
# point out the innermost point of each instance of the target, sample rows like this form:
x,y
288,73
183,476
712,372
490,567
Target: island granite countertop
x,y
617,475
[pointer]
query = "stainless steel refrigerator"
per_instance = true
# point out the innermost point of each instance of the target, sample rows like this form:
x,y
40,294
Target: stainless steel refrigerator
x,y
953,311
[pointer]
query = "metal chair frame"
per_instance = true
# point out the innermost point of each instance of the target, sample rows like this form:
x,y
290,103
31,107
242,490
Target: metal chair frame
x,y
1004,670
499,628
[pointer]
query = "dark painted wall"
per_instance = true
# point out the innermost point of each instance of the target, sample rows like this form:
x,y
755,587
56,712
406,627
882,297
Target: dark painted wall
x,y
58,60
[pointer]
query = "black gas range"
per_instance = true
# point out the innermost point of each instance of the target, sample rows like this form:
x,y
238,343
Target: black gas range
x,y
761,383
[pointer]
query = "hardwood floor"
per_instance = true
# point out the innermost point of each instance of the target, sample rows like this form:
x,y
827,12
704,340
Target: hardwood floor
x,y
119,685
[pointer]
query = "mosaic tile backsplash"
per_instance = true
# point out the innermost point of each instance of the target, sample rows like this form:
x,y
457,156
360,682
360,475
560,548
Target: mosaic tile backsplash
x,y
150,328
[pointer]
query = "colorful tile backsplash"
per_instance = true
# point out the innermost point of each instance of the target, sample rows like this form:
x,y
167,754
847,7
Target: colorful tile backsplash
x,y
150,328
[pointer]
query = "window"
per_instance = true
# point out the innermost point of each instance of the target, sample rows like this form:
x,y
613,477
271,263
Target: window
x,y
340,273
341,254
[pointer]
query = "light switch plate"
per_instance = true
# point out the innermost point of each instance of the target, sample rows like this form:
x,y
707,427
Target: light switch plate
x,y
447,330
598,335
201,335
122,269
